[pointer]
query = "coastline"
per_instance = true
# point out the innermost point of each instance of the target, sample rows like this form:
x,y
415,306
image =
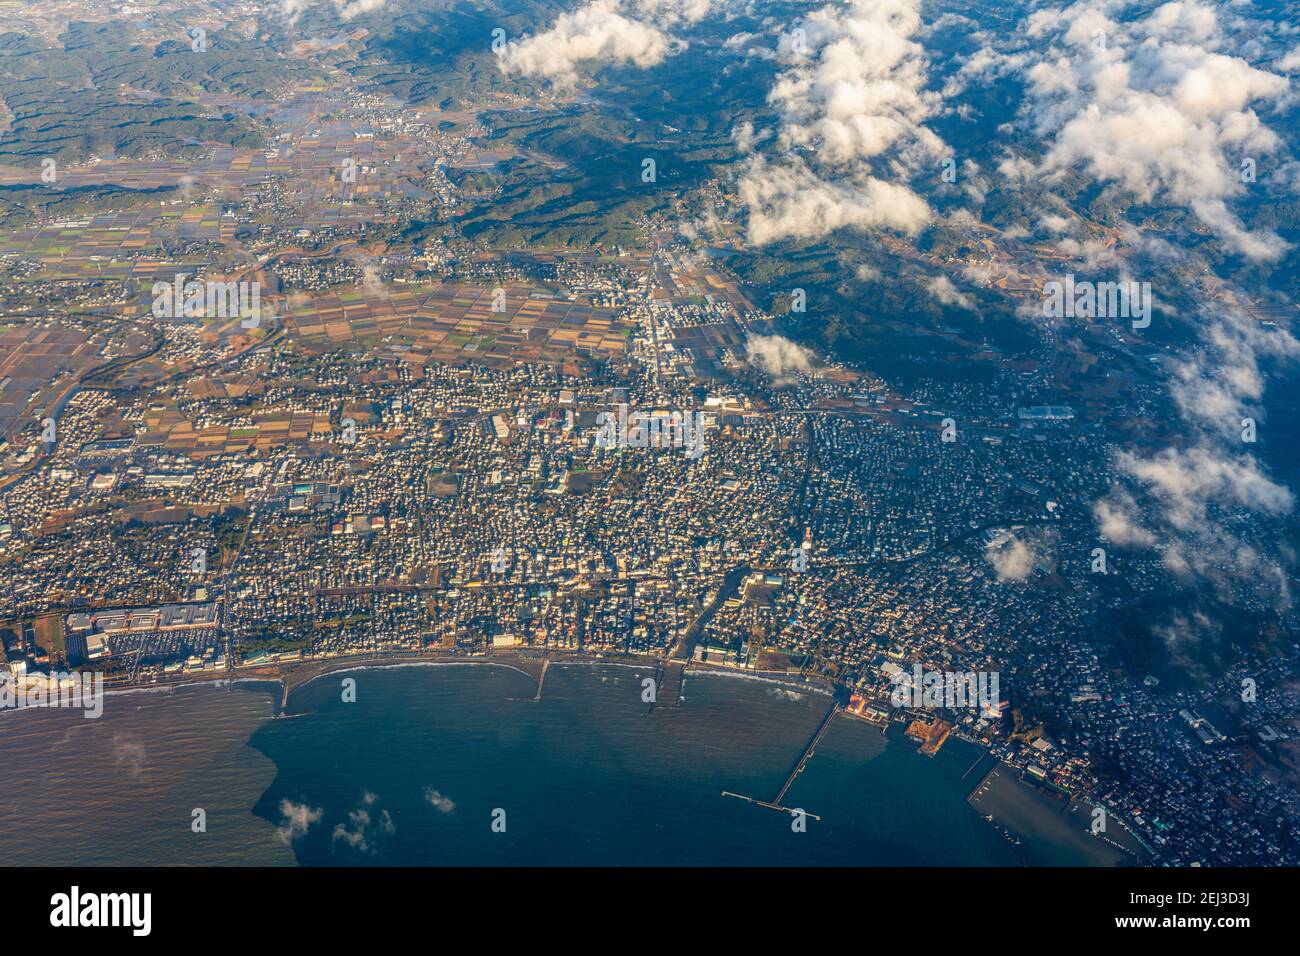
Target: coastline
x,y
1024,815
291,676
289,688
1043,839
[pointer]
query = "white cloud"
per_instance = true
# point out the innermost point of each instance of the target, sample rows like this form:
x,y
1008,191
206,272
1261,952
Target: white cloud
x,y
862,92
746,139
1013,562
778,356
1015,554
1116,517
1150,106
1197,501
296,819
1051,222
364,825
603,32
1221,383
787,199
852,106
347,9
1187,481
1184,634
945,292
354,8
984,65
439,802
746,43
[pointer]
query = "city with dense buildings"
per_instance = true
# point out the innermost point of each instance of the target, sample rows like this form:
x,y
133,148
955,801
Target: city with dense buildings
x,y
428,437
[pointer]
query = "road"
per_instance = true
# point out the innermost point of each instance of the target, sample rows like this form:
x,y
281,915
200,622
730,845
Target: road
x,y
222,629
682,651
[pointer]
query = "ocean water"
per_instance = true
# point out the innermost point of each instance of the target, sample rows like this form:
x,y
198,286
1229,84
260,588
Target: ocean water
x,y
419,767
122,789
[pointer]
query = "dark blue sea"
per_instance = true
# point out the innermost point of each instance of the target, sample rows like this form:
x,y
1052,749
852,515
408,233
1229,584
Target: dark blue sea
x,y
427,759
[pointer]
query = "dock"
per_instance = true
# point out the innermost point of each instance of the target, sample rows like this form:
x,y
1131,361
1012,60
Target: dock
x,y
541,678
768,804
776,803
668,685
807,753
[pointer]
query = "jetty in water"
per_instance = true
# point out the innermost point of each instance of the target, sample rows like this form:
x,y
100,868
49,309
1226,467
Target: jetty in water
x,y
777,802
